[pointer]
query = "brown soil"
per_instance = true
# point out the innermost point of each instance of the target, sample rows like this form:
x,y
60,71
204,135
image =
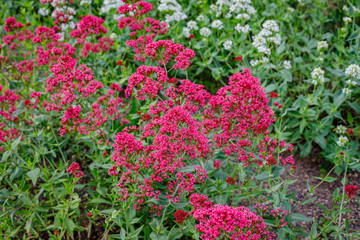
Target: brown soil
x,y
309,168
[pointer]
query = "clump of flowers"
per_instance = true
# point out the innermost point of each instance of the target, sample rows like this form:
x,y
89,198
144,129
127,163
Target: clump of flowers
x,y
351,191
75,170
216,221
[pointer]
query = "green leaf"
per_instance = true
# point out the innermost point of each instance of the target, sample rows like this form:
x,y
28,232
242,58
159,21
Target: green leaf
x,y
137,232
99,200
313,231
70,226
6,155
262,176
15,143
309,200
16,173
180,205
130,214
300,217
305,149
34,175
276,171
123,234
321,141
174,234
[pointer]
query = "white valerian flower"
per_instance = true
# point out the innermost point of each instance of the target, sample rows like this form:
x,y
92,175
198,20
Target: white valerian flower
x,y
192,25
264,60
353,71
258,41
314,82
351,82
287,64
346,91
264,49
290,9
342,141
241,29
254,63
85,2
205,32
111,4
318,75
322,45
186,32
169,5
62,36
200,18
347,20
176,16
227,44
264,32
340,129
44,11
244,16
276,39
217,24
113,36
346,8
271,25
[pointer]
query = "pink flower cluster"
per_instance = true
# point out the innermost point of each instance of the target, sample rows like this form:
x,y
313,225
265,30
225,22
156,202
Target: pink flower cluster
x,y
16,35
75,170
217,221
164,50
91,26
145,84
180,216
351,191
143,29
8,106
69,87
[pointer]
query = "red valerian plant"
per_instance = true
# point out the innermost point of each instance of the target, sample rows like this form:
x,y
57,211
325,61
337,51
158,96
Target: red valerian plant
x,y
165,160
221,221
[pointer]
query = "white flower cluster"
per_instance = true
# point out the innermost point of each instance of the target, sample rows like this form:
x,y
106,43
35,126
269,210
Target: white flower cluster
x,y
342,141
254,63
347,20
340,129
112,4
268,34
242,29
317,76
227,44
353,71
85,2
175,8
218,24
287,64
322,45
205,32
44,11
232,8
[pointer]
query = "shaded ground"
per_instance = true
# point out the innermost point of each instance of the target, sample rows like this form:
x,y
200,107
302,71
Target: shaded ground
x,y
309,168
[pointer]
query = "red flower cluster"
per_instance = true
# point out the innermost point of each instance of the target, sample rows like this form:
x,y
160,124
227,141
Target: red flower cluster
x,y
351,191
91,26
75,169
236,223
180,216
143,29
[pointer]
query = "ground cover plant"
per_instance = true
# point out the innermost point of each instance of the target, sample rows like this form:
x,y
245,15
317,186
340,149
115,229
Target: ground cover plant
x,y
131,119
